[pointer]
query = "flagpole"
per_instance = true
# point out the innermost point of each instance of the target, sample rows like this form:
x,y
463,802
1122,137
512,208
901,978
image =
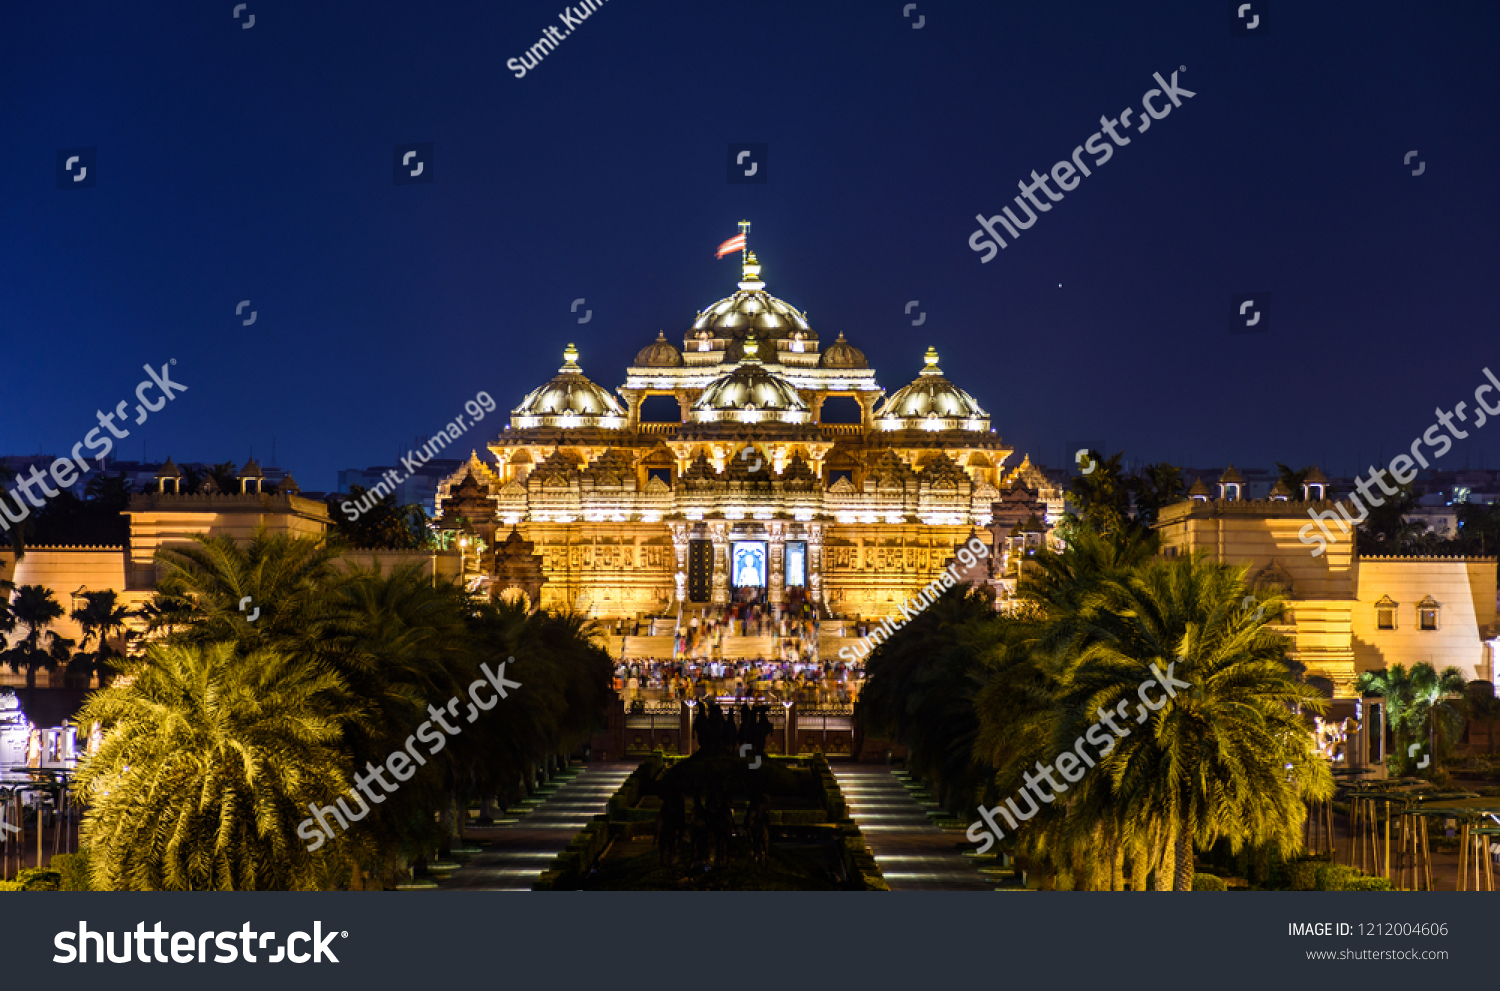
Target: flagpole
x,y
745,247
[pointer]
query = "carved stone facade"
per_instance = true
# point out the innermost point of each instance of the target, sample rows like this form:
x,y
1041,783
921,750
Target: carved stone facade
x,y
625,512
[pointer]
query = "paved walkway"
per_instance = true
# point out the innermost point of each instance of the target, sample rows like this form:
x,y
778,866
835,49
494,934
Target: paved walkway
x,y
913,854
518,852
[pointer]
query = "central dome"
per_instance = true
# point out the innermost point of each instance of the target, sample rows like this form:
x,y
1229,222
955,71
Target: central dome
x,y
751,393
752,310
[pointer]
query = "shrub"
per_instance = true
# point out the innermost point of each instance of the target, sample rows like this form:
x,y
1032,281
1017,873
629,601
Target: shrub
x,y
1207,882
39,879
11,886
1338,877
74,869
1305,875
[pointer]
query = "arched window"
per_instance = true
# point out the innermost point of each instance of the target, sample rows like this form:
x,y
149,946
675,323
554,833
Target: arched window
x,y
1385,613
1427,614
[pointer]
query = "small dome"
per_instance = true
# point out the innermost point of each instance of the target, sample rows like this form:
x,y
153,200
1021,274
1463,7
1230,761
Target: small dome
x,y
1198,489
169,470
569,400
1230,475
659,354
750,393
1316,477
251,470
288,485
842,354
931,403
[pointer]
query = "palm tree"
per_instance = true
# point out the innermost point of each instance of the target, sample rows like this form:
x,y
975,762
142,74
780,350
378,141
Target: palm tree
x,y
1157,486
102,620
1227,755
203,589
1437,705
208,764
225,475
35,608
1421,703
384,525
1293,479
1103,494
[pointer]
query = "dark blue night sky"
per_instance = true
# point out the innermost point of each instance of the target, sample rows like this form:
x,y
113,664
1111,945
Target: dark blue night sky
x,y
257,164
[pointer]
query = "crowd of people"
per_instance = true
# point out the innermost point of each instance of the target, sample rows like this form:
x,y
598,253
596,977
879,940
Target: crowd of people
x,y
793,625
698,668
689,678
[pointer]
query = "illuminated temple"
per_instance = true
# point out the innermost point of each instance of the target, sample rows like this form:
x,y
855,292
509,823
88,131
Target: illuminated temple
x,y
590,504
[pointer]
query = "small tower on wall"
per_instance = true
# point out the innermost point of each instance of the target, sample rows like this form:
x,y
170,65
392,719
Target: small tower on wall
x,y
169,478
251,477
1231,485
1315,486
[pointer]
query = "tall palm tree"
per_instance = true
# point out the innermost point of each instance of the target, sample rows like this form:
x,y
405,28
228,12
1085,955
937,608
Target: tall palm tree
x,y
102,620
399,641
208,764
35,608
1227,756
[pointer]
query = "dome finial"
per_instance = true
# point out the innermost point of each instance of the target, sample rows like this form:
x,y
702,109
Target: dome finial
x,y
570,359
752,279
930,362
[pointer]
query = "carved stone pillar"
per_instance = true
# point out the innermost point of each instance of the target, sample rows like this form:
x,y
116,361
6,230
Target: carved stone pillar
x,y
776,580
867,401
502,464
815,562
719,534
633,398
679,553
